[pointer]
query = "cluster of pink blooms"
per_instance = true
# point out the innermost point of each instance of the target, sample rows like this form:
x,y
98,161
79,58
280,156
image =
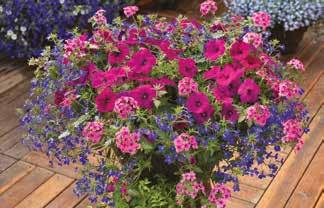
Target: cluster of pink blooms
x,y
126,141
258,113
99,17
76,46
219,195
253,38
184,142
125,106
188,187
288,89
297,64
93,131
186,86
261,19
208,6
293,131
130,10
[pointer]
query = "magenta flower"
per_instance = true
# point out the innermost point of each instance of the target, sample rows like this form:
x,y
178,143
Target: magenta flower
x,y
186,86
214,49
102,79
219,195
169,52
253,38
249,91
251,62
229,112
296,64
197,102
144,95
222,94
127,142
258,113
93,131
261,19
212,73
187,67
240,50
227,75
130,11
142,62
184,142
118,56
205,115
105,101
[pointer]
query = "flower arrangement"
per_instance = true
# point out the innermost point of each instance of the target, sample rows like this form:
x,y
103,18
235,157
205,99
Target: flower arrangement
x,y
172,111
26,24
292,14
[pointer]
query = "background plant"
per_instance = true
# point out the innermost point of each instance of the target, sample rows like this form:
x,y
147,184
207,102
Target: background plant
x,y
291,14
26,24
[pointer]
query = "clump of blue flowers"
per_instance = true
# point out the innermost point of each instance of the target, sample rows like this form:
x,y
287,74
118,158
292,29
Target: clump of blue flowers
x,y
26,24
291,14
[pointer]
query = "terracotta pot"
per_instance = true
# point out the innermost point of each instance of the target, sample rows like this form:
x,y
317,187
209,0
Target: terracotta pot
x,y
290,39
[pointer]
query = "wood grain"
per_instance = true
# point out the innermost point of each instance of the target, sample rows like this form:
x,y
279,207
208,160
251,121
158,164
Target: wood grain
x,y
320,202
24,187
46,192
248,193
311,184
14,174
66,199
5,162
238,203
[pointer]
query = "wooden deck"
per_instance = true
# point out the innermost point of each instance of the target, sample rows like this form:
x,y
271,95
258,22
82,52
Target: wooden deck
x,y
26,180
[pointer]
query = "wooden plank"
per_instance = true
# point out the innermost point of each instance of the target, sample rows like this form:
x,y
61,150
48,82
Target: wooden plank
x,y
285,181
84,203
238,203
24,187
5,162
248,193
311,184
316,96
46,192
320,202
14,174
13,78
18,151
41,160
11,138
255,181
66,199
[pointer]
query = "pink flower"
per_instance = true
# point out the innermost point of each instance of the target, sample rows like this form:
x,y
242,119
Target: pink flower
x,y
105,101
142,62
212,73
261,19
130,10
253,38
228,75
258,113
93,131
249,91
125,106
119,55
222,94
101,79
144,95
99,18
240,50
197,102
219,195
293,131
205,115
59,97
296,64
187,67
229,112
186,86
208,6
126,141
214,49
288,89
184,142
251,62
170,53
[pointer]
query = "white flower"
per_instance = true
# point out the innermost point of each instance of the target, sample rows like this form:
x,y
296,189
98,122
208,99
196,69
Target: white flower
x,y
62,1
14,36
23,29
1,9
9,32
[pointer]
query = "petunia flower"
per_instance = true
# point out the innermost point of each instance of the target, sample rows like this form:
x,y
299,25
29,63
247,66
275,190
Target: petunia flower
x,y
205,115
144,95
249,91
239,50
212,73
187,67
197,102
142,62
251,62
229,112
118,56
214,49
105,101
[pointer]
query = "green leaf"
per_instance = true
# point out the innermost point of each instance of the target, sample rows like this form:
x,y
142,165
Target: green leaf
x,y
157,103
